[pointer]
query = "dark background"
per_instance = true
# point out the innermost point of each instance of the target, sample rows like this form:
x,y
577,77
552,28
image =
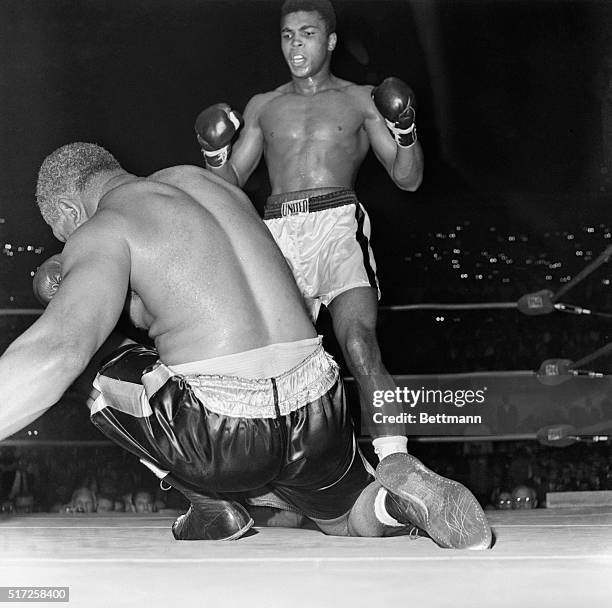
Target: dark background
x,y
510,95
510,98
510,101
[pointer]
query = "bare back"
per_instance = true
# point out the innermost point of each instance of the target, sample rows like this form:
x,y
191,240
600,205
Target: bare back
x,y
315,141
209,278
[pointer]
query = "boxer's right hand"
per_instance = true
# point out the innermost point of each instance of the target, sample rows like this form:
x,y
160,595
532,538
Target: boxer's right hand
x,y
394,99
215,128
47,279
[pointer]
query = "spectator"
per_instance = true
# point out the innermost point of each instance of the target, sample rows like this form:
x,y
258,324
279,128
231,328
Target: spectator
x,y
143,501
24,503
524,497
83,501
105,504
504,501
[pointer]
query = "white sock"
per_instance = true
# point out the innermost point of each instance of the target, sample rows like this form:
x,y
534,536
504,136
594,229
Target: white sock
x,y
386,445
381,511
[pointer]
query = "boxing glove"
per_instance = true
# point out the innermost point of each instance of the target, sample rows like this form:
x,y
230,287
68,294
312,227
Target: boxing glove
x,y
215,128
47,279
394,99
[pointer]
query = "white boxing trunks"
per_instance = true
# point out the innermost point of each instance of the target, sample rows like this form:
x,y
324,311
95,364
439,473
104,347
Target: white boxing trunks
x,y
326,242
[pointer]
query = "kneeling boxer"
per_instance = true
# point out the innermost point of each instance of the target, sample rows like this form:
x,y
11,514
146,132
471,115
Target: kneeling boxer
x,y
238,402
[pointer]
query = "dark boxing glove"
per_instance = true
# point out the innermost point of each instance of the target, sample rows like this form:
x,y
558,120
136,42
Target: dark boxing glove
x,y
215,128
394,99
47,279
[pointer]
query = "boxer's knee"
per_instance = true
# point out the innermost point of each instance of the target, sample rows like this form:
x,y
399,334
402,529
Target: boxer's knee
x,y
334,527
362,520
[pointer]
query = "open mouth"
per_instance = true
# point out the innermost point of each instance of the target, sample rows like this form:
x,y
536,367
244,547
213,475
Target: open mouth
x,y
298,60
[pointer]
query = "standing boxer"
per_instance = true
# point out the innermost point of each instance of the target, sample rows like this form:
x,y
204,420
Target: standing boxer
x,y
238,398
314,133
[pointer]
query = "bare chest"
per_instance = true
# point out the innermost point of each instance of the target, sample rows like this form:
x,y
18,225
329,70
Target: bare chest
x,y
330,115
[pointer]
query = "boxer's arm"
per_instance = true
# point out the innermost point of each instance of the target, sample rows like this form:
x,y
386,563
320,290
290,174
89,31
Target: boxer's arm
x,y
404,165
249,146
247,150
43,362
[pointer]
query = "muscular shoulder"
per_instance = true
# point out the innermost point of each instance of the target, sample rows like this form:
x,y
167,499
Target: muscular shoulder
x,y
106,230
169,175
129,202
118,197
258,102
158,184
284,89
361,93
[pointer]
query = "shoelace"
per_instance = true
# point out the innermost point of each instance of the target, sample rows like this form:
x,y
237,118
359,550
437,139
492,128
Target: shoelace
x,y
415,533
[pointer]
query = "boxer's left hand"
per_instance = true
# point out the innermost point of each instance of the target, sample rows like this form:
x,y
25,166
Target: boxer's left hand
x,y
395,100
47,279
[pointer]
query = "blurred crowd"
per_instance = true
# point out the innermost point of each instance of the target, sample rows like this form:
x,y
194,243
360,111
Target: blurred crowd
x,y
502,475
519,474
82,479
459,341
476,262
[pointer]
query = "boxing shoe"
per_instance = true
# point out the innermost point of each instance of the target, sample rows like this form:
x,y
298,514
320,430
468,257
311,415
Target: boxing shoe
x,y
210,517
442,508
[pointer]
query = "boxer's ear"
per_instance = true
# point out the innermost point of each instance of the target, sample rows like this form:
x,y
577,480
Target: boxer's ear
x,y
72,215
70,209
332,40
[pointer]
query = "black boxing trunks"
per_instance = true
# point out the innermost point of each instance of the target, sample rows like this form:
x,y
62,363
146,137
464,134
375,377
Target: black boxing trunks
x,y
326,242
291,434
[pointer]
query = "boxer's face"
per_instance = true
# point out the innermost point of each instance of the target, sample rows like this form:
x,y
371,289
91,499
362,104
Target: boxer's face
x,y
305,43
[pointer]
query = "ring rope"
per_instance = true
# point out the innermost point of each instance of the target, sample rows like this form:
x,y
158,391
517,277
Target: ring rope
x,y
467,306
364,439
600,352
585,272
567,308
14,312
394,308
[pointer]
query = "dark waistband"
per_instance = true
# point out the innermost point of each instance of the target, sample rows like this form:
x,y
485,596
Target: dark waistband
x,y
293,203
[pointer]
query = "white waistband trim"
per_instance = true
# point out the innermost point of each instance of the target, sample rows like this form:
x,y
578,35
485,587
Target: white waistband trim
x,y
264,362
254,398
